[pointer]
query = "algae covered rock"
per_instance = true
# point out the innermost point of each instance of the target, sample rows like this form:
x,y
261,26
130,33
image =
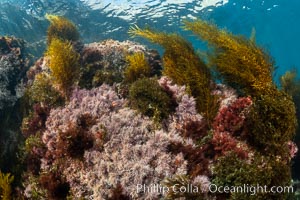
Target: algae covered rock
x,y
105,62
13,65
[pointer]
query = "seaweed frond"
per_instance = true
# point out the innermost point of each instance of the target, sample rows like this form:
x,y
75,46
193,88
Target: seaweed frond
x,y
138,67
253,35
5,188
289,83
183,65
238,60
61,28
64,64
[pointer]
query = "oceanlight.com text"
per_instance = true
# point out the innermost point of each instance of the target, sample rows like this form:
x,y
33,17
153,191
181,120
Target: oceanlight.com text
x,y
246,188
251,189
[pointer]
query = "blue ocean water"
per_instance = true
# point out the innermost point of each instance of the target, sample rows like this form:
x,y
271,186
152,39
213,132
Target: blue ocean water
x,y
276,21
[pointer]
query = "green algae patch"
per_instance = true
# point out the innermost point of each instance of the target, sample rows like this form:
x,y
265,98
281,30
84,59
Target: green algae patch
x,y
148,97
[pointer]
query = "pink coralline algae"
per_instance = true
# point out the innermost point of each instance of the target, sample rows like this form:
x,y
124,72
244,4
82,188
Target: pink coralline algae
x,y
101,147
129,152
227,95
174,89
185,120
204,183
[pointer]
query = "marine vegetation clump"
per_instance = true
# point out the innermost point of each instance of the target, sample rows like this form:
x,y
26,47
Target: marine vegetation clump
x,y
106,62
42,91
150,99
183,65
35,191
35,121
64,65
61,28
231,118
291,85
34,149
230,170
239,61
32,127
132,151
118,193
224,143
229,129
272,123
106,76
197,157
186,119
189,124
5,186
198,188
75,140
55,184
138,67
269,124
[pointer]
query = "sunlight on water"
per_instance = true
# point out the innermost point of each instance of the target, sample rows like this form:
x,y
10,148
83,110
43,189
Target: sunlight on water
x,y
128,10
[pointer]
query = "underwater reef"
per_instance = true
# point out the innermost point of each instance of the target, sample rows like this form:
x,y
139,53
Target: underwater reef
x,y
96,121
14,63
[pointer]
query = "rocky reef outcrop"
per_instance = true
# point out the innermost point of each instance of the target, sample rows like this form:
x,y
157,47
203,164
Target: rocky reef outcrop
x,y
13,66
